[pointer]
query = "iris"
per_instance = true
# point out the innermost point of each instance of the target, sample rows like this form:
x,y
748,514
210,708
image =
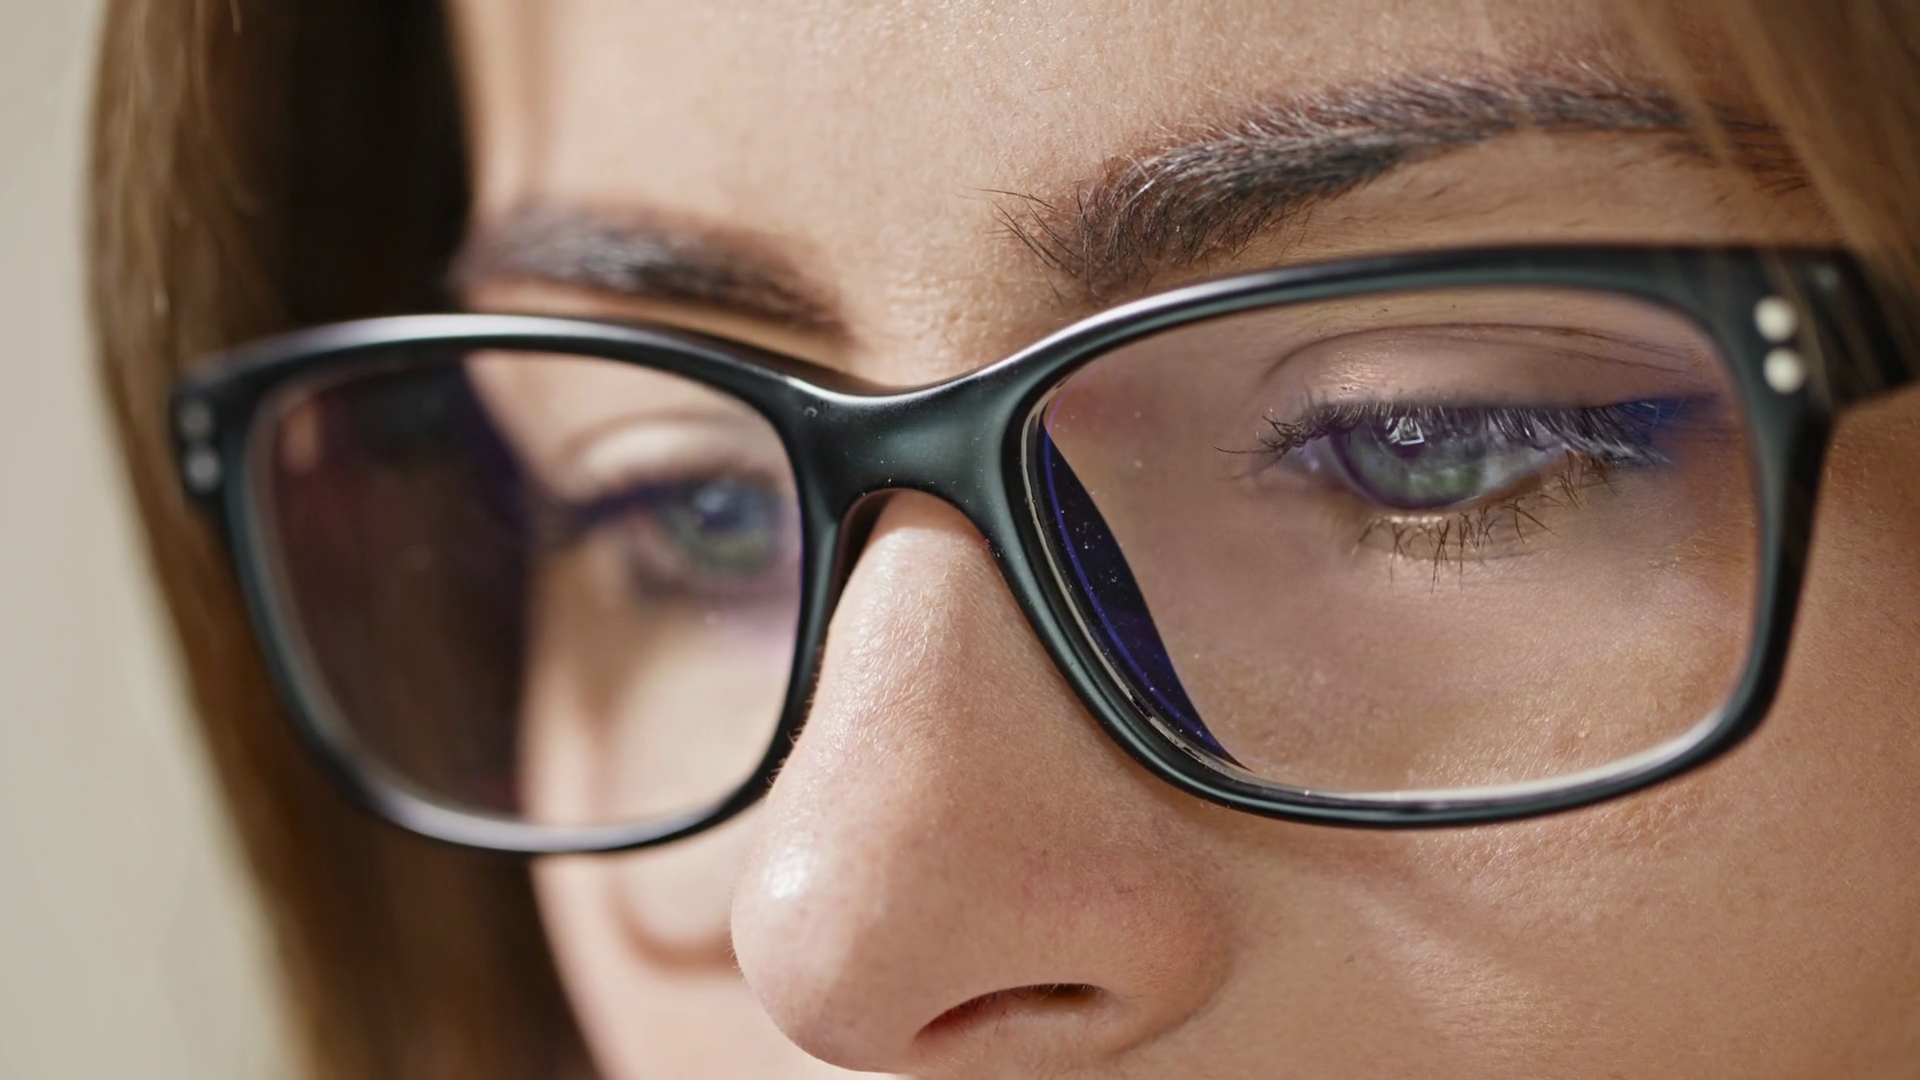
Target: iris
x,y
1412,463
725,527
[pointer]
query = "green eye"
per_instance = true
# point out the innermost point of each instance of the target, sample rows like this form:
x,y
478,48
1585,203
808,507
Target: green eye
x,y
709,537
1406,463
724,528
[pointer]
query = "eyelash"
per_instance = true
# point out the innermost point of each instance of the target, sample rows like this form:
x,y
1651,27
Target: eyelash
x,y
1598,440
570,515
653,571
1619,434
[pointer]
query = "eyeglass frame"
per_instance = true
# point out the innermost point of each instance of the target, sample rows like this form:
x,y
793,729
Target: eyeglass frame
x,y
970,441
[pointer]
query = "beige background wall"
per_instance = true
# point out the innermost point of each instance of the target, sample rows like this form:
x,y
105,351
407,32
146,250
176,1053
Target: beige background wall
x,y
128,946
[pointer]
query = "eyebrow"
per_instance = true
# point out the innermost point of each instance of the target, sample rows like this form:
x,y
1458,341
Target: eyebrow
x,y
1184,200
1203,194
641,255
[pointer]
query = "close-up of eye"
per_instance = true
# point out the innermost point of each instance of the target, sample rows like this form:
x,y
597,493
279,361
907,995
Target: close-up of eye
x,y
1425,458
718,535
952,540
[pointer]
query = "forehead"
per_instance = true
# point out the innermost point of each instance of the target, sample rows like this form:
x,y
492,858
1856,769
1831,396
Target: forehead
x,y
880,144
753,110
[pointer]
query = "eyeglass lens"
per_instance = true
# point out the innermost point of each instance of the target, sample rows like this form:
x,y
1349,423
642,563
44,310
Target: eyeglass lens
x,y
1420,542
546,588
1424,541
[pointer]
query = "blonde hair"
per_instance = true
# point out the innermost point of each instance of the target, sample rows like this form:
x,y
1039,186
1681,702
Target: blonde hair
x,y
262,164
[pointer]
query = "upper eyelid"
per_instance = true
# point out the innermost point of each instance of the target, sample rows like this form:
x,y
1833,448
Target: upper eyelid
x,y
608,445
1319,421
562,518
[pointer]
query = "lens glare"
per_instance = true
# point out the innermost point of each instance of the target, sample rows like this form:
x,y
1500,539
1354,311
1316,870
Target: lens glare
x,y
546,588
1424,542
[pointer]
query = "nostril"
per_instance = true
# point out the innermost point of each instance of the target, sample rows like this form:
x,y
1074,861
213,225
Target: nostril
x,y
1038,998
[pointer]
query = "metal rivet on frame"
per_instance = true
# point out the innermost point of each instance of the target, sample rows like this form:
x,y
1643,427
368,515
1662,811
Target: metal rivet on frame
x,y
202,469
195,421
1776,319
1786,372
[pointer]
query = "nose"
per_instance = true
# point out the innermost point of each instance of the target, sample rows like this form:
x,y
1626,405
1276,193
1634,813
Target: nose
x,y
955,872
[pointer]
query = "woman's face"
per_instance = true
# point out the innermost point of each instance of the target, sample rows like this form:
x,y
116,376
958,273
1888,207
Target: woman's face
x,y
956,874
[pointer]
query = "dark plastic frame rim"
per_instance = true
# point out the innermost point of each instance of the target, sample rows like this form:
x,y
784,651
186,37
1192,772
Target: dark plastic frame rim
x,y
968,441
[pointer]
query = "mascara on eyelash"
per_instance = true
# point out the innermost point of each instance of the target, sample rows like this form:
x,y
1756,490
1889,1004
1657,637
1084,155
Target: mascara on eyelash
x,y
1621,433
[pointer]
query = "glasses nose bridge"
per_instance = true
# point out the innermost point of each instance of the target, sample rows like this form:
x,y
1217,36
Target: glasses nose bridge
x,y
948,441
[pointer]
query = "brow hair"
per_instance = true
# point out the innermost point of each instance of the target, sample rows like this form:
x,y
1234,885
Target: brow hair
x,y
1188,197
638,254
1200,195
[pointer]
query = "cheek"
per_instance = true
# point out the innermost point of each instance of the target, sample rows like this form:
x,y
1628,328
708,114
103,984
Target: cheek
x,y
1756,918
639,709
1720,926
1857,650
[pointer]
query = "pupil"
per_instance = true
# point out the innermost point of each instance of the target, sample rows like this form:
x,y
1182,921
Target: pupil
x,y
1406,438
1400,464
727,527
727,505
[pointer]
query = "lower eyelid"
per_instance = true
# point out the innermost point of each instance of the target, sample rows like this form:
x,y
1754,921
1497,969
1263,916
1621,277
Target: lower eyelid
x,y
1579,470
1501,526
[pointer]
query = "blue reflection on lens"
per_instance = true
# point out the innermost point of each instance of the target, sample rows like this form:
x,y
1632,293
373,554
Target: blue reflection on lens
x,y
1107,590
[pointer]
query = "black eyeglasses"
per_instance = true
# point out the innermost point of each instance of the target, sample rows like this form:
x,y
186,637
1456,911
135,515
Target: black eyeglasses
x,y
1404,541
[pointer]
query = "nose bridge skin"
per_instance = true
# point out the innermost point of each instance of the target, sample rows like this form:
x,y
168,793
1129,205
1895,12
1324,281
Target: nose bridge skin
x,y
956,871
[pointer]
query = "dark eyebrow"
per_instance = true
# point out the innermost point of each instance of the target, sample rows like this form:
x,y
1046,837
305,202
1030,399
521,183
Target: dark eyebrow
x,y
635,254
1176,201
1203,194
